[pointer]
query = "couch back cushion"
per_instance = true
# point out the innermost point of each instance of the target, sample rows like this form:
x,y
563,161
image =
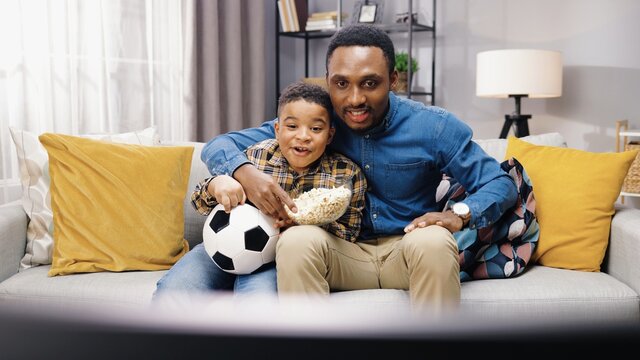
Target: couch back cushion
x,y
498,147
193,221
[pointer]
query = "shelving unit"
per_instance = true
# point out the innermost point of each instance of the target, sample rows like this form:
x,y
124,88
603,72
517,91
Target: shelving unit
x,y
622,136
410,28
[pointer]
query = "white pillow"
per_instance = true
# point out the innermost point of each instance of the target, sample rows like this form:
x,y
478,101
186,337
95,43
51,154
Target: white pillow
x,y
33,163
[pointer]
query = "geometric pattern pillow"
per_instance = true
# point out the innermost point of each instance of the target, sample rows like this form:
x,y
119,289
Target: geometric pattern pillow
x,y
504,248
33,163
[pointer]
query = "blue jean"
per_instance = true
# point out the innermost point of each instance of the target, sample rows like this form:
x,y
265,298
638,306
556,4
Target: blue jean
x,y
195,272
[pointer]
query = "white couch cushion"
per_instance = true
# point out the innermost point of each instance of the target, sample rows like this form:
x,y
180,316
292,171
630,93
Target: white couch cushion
x,y
539,293
551,293
118,288
193,221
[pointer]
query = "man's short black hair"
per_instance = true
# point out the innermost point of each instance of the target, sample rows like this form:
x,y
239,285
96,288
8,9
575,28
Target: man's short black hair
x,y
363,35
304,91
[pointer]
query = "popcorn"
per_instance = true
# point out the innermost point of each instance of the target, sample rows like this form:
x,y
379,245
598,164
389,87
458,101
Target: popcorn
x,y
320,206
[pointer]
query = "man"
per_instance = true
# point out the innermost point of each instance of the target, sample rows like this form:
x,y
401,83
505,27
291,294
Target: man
x,y
403,148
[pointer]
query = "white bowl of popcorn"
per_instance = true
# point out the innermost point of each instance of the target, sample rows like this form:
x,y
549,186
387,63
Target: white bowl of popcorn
x,y
320,206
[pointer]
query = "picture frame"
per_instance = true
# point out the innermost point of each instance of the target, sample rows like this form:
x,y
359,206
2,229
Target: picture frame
x,y
367,12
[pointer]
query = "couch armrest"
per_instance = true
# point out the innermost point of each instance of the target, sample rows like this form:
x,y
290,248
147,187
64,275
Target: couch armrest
x,y
13,238
623,258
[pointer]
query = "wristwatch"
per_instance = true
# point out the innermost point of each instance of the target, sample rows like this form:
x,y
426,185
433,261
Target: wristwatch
x,y
461,210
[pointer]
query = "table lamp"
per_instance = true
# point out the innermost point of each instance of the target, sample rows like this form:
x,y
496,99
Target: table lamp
x,y
518,73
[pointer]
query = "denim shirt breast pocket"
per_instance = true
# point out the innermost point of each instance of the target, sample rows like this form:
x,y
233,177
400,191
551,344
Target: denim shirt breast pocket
x,y
405,181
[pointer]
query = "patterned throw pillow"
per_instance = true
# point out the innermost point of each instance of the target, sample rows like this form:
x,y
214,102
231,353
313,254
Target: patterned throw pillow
x,y
503,249
33,163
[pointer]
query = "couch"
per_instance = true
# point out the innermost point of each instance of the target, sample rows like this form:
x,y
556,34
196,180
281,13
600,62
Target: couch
x,y
540,291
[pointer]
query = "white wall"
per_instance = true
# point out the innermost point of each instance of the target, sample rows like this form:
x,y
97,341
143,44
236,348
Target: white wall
x,y
599,40
601,51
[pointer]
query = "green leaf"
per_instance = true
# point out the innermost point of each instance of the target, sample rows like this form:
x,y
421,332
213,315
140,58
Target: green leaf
x,y
402,62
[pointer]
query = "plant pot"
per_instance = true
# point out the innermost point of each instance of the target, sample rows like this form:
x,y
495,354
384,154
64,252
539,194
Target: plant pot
x,y
401,85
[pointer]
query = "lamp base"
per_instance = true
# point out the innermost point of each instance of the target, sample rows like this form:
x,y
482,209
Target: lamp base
x,y
521,122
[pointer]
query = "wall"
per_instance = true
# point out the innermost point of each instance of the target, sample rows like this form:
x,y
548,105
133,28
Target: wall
x,y
601,52
598,39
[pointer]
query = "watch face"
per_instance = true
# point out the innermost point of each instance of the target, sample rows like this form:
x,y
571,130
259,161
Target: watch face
x,y
460,209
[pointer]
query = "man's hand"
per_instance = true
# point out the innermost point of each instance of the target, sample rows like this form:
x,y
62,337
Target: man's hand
x,y
447,219
227,191
265,193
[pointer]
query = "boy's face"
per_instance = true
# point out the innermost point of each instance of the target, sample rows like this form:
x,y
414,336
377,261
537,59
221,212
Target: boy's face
x,y
303,131
359,84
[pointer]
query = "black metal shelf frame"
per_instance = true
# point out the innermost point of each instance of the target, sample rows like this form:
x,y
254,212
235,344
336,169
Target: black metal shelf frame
x,y
409,28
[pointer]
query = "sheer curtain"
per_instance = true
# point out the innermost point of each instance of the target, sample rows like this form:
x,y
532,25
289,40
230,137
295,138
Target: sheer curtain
x,y
96,66
191,68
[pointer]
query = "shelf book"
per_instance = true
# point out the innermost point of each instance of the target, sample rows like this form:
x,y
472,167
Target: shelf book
x,y
292,13
284,16
324,20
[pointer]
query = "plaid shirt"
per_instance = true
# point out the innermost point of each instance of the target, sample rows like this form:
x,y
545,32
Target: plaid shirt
x,y
331,170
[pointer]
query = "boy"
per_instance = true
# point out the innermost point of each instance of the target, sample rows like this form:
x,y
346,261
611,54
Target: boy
x,y
297,160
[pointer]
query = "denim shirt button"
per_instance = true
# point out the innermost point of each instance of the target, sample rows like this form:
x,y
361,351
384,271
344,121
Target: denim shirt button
x,y
366,136
366,167
375,216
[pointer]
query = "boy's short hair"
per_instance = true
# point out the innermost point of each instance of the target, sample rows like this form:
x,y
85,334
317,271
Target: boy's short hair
x,y
363,35
304,91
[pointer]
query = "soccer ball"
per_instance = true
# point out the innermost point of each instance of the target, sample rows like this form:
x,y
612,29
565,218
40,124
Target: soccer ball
x,y
241,241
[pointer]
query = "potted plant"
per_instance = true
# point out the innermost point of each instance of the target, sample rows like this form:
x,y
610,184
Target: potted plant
x,y
402,66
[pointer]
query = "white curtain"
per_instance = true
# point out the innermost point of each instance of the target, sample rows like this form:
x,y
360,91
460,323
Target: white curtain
x,y
96,66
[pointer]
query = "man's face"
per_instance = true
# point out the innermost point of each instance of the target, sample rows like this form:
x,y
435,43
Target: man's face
x,y
303,131
359,85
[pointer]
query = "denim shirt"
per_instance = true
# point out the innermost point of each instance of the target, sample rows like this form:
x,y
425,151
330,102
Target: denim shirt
x,y
403,159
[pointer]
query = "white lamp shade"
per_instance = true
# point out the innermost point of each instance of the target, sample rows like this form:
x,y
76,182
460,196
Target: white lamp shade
x,y
535,73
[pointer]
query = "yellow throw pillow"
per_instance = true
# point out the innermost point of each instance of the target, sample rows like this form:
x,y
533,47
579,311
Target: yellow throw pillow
x,y
575,195
116,207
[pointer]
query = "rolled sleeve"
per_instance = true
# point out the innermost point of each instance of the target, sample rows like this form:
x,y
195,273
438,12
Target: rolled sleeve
x,y
231,165
224,154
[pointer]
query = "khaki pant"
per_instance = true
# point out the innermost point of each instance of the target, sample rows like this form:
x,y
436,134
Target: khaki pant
x,y
312,261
